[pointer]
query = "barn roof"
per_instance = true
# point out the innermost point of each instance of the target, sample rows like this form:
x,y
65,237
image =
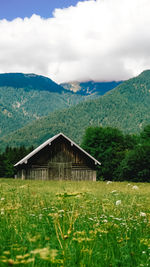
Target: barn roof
x,y
49,141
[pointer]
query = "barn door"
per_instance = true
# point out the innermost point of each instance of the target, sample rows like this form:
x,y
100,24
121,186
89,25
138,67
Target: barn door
x,y
60,170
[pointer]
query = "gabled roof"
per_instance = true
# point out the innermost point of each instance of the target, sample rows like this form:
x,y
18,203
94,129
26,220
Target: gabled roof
x,y
49,141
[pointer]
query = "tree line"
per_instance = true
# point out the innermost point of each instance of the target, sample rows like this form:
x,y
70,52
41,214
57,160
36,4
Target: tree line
x,y
122,156
11,156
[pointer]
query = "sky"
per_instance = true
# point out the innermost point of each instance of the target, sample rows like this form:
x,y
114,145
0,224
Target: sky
x,y
71,40
11,9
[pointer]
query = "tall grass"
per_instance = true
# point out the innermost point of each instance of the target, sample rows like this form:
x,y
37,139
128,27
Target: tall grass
x,y
74,224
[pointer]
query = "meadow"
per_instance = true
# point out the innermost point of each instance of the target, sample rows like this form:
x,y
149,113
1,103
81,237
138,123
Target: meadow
x,y
46,223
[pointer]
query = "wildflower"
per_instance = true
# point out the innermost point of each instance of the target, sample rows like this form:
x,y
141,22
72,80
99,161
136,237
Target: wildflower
x,y
20,257
118,202
109,182
61,211
79,233
23,186
142,214
40,216
46,254
145,241
34,238
120,240
135,187
6,252
2,211
2,198
114,191
118,219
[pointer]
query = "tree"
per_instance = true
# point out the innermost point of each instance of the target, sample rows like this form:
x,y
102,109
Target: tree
x,y
108,145
11,156
145,134
2,166
136,165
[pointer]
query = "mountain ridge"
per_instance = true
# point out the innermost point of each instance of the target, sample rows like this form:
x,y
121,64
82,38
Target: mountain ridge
x,y
126,107
30,81
27,97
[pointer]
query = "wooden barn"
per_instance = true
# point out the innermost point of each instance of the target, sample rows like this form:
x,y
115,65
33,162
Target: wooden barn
x,y
59,158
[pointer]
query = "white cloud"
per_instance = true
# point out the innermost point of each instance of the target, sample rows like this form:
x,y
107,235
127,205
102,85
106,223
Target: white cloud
x,y
98,40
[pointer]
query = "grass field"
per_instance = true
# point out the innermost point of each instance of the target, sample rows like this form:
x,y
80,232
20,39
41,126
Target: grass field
x,y
74,223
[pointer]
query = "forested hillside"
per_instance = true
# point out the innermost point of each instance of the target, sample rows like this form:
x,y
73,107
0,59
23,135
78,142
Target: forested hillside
x,y
126,107
27,97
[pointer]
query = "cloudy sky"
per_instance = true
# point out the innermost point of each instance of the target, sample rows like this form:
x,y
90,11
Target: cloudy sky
x,y
71,40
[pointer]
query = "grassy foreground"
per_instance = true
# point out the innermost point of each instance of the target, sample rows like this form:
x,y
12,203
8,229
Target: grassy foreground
x,y
74,223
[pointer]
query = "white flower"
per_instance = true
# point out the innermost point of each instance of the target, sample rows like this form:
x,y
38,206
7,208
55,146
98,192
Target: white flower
x,y
2,211
135,187
118,219
142,214
118,202
114,191
40,216
22,186
2,198
109,182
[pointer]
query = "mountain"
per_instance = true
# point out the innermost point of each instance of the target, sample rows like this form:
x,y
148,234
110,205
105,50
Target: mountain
x,y
126,107
30,82
90,88
26,97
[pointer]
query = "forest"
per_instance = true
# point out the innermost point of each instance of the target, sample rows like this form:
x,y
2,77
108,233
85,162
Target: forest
x,y
123,157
